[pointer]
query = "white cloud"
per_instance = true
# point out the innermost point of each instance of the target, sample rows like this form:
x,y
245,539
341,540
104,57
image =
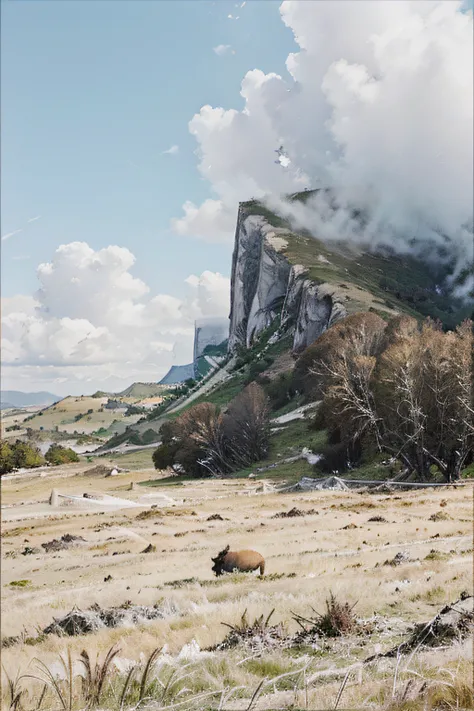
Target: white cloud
x,y
378,105
222,49
172,150
10,234
91,321
33,219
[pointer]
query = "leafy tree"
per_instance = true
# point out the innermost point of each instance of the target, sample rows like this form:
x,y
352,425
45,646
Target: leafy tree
x,y
57,454
19,455
7,459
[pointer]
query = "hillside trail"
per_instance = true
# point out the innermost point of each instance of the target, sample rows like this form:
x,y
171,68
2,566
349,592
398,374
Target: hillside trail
x,y
220,376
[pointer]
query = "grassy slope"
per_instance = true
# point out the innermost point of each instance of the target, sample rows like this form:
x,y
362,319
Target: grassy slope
x,y
396,282
140,391
63,414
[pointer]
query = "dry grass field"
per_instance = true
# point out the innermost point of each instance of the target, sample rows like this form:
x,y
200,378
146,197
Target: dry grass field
x,y
94,416
333,548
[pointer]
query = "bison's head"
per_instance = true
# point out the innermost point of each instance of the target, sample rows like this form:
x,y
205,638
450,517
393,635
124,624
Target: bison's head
x,y
219,561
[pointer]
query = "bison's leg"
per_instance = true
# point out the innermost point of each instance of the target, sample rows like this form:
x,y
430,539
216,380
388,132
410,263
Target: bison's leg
x,y
262,568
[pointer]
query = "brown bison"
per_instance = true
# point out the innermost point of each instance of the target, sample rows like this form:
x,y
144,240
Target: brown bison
x,y
244,561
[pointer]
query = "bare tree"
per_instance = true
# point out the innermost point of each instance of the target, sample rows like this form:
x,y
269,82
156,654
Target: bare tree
x,y
204,425
360,334
424,397
346,365
247,426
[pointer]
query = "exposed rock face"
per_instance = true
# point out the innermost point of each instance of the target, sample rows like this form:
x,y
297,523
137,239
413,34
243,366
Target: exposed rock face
x,y
259,279
263,280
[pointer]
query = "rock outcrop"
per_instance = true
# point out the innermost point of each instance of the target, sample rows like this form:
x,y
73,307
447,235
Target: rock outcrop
x,y
265,285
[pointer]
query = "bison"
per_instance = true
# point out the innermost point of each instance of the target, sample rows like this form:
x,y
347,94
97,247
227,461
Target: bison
x,y
244,561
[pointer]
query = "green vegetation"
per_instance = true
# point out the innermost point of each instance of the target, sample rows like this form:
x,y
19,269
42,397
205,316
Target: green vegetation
x,y
216,351
222,394
20,583
18,455
399,282
140,391
135,460
57,454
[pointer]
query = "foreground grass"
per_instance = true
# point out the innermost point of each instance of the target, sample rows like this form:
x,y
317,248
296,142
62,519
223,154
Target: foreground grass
x,y
135,460
274,680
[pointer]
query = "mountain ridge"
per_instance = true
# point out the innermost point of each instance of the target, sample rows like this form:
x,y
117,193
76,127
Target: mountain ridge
x,y
18,398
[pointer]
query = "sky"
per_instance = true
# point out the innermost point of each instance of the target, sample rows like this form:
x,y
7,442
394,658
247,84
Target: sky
x,y
131,130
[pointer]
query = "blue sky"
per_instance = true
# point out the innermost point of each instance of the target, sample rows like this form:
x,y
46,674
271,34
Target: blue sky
x,y
95,92
92,94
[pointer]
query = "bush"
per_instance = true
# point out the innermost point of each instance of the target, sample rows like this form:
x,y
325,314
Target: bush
x,y
281,390
337,620
18,455
164,456
58,454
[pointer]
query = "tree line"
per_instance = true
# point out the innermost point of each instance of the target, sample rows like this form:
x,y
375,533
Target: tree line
x,y
398,388
21,455
393,387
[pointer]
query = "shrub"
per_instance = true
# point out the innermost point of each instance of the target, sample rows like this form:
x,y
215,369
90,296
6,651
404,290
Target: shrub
x,y
57,454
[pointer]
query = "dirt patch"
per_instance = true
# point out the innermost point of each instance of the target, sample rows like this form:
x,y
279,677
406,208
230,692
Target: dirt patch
x,y
78,622
64,543
294,513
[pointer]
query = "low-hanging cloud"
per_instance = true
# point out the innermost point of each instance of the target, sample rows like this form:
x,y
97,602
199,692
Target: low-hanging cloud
x,y
91,321
378,106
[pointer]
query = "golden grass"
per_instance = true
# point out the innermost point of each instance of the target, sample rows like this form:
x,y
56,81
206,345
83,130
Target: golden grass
x,y
317,550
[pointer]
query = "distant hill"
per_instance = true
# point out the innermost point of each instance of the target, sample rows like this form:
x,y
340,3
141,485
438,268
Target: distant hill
x,y
16,398
178,374
142,390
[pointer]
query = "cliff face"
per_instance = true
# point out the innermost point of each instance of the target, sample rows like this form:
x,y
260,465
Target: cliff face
x,y
265,283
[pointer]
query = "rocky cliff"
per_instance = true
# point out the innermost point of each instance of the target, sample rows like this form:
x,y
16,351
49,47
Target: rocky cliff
x,y
266,285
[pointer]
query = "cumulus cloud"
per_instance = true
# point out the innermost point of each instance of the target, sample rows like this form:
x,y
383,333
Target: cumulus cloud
x,y
92,321
378,105
222,49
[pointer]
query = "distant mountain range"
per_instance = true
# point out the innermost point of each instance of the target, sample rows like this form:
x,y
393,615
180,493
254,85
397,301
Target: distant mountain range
x,y
16,398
